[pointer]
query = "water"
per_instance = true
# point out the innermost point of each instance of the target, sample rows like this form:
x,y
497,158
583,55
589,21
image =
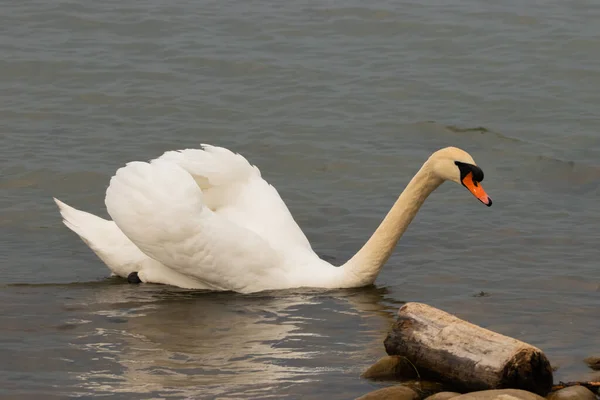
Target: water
x,y
339,103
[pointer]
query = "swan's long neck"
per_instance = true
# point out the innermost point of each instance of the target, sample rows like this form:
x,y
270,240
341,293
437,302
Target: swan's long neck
x,y
363,268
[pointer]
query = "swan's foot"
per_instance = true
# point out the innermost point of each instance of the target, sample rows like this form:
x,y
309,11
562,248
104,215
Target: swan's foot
x,y
133,278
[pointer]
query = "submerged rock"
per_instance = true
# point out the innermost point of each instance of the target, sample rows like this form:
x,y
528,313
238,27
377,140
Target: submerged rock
x,y
390,368
443,396
572,393
593,363
499,394
391,393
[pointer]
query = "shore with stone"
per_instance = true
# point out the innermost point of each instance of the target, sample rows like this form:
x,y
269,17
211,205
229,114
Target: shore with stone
x,y
433,355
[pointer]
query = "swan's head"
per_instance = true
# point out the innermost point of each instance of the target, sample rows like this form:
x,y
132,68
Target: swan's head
x,y
456,165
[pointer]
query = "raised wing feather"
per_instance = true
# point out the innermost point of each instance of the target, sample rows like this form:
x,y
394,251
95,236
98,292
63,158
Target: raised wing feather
x,y
235,190
159,206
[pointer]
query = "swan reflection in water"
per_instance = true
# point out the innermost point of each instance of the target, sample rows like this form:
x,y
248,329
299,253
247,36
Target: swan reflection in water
x,y
191,343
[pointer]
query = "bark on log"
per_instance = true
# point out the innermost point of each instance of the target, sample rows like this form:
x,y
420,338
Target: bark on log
x,y
444,347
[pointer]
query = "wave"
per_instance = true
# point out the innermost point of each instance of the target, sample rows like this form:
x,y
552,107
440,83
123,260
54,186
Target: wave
x,y
475,129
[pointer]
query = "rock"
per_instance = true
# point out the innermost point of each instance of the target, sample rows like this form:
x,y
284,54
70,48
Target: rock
x,y
443,396
390,368
391,393
572,393
499,394
593,363
425,388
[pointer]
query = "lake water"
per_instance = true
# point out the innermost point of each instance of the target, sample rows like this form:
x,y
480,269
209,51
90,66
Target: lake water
x,y
338,103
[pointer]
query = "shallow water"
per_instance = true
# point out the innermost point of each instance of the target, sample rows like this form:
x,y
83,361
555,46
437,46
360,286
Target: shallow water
x,y
338,104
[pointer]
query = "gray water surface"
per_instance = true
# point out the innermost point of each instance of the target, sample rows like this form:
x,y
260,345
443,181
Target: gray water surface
x,y
338,103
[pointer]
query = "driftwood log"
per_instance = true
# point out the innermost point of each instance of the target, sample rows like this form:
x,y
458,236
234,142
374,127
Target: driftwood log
x,y
444,347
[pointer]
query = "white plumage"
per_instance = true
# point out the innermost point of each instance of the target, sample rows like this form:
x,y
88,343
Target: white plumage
x,y
206,219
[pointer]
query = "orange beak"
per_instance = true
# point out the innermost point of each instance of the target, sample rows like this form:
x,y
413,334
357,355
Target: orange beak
x,y
476,189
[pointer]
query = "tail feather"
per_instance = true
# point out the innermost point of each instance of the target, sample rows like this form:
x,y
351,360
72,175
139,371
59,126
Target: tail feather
x,y
104,238
80,222
118,252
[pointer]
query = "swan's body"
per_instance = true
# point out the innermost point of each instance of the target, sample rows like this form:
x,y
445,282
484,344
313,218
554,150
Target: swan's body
x,y
206,219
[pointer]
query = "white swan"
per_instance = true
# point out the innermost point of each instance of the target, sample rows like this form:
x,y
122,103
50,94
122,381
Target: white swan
x,y
205,219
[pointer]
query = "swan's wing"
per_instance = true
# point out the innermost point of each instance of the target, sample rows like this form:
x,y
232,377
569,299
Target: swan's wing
x,y
160,208
235,190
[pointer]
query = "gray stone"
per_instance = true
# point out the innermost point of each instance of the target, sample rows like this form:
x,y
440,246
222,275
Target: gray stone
x,y
443,396
572,393
391,393
499,394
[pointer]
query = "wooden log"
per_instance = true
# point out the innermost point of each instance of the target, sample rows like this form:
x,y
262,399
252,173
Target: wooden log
x,y
471,358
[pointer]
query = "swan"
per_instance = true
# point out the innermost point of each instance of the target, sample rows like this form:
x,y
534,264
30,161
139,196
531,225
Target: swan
x,y
206,219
